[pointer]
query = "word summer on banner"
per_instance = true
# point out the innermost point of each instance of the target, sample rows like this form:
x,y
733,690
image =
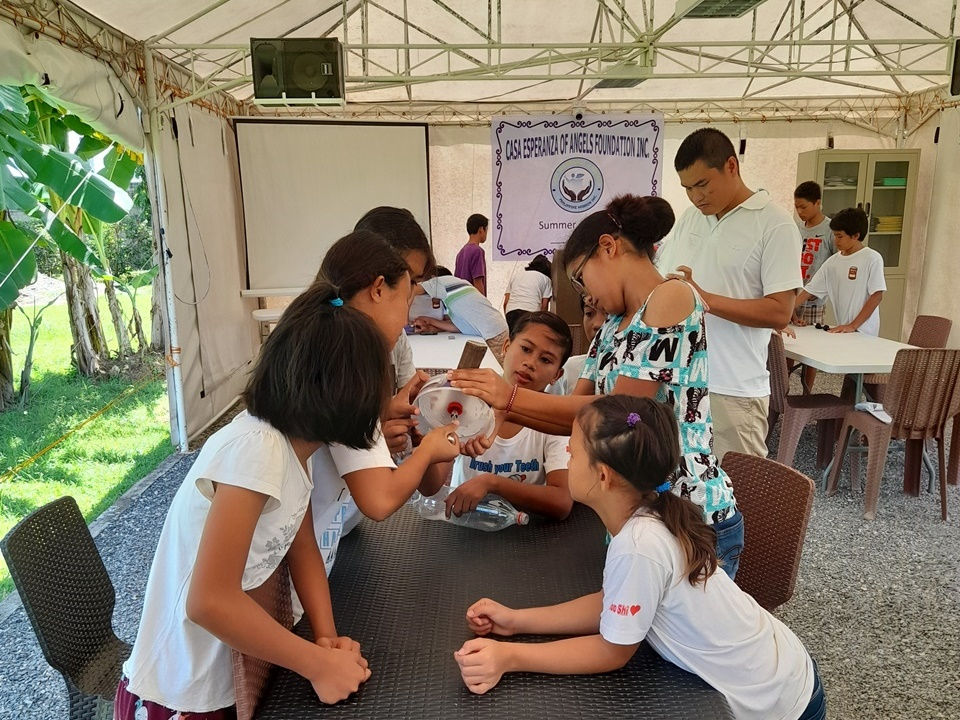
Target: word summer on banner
x,y
550,172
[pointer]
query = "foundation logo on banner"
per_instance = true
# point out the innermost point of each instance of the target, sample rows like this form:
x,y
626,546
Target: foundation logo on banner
x,y
576,185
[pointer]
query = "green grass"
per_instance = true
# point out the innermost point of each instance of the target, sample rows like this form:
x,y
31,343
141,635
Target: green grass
x,y
101,460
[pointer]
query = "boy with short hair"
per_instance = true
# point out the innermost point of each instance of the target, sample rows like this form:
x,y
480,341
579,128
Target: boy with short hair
x,y
526,467
471,263
817,247
852,279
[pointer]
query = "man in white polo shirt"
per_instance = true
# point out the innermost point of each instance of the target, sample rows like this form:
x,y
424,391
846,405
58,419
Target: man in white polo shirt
x,y
742,253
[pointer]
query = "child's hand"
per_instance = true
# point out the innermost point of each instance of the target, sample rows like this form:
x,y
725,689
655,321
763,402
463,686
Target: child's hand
x,y
396,433
401,405
788,331
341,643
486,616
485,384
442,443
425,323
842,329
477,446
337,673
798,321
467,496
482,663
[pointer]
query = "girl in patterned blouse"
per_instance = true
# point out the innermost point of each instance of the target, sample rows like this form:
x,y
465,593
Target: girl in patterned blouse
x,y
653,344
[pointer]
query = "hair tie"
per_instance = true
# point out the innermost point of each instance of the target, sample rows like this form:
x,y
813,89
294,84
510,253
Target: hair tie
x,y
632,419
615,221
336,302
663,487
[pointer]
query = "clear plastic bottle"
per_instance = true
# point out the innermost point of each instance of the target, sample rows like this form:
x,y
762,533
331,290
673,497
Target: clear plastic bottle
x,y
491,514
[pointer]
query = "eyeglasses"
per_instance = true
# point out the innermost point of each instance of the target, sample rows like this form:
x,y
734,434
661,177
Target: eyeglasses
x,y
821,326
576,280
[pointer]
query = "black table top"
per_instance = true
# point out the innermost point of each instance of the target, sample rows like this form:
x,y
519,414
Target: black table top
x,y
401,589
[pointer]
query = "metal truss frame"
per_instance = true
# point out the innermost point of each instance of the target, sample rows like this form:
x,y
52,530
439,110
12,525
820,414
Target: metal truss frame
x,y
795,49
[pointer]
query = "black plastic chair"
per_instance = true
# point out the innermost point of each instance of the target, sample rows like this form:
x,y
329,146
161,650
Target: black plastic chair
x,y
69,599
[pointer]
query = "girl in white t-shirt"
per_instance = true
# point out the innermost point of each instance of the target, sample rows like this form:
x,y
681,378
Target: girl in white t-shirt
x,y
525,466
529,290
366,480
319,387
660,583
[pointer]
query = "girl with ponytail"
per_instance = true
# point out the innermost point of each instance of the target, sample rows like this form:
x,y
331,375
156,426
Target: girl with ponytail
x,y
653,344
660,584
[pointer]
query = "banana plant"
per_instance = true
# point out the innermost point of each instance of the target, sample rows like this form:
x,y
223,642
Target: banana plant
x,y
41,177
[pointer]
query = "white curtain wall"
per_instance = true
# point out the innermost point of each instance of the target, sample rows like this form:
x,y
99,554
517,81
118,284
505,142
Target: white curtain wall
x,y
204,231
937,290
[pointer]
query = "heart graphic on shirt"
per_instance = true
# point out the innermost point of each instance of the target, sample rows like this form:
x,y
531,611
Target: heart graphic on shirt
x,y
634,609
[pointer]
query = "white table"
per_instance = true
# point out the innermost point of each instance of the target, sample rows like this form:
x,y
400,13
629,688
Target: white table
x,y
842,354
443,350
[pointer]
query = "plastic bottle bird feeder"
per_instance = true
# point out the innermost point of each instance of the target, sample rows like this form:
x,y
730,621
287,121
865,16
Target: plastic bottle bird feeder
x,y
440,404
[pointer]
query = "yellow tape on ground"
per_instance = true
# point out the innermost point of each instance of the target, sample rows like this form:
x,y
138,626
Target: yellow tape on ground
x,y
33,458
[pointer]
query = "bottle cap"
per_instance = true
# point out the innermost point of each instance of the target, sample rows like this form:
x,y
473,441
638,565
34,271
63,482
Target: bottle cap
x,y
522,518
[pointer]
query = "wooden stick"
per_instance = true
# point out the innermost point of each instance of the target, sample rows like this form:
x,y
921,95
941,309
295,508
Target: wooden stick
x,y
472,356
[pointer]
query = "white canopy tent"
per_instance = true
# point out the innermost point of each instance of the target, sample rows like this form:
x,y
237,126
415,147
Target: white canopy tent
x,y
785,75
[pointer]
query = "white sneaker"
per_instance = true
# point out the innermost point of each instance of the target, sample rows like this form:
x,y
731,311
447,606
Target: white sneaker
x,y
875,409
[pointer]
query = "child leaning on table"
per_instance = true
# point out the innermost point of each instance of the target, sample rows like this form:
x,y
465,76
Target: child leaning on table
x,y
243,507
660,583
525,466
852,279
373,278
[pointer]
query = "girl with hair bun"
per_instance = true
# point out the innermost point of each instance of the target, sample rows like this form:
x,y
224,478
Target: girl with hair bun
x,y
653,344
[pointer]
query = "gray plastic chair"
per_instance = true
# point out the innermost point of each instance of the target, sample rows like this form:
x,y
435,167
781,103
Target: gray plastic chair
x,y
69,599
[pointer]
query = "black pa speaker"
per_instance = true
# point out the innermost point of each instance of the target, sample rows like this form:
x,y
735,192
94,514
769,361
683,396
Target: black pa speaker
x,y
298,68
954,87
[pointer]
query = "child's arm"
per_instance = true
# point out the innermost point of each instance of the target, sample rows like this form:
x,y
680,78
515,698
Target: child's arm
x,y
580,616
552,414
380,491
217,602
429,323
309,577
506,301
865,312
435,478
552,500
483,661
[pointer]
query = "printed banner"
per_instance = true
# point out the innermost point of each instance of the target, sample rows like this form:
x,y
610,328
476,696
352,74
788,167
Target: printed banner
x,y
552,171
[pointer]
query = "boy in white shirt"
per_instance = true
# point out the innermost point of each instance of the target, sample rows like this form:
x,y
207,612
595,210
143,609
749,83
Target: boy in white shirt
x,y
817,247
526,467
469,312
852,279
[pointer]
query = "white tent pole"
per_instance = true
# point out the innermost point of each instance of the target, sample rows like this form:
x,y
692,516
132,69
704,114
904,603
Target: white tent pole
x,y
159,211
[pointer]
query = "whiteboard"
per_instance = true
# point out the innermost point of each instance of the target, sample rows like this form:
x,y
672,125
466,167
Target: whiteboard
x,y
305,185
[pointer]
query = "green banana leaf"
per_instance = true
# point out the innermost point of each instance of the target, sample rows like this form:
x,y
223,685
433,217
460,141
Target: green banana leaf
x,y
75,182
12,102
138,278
13,195
119,167
91,145
15,250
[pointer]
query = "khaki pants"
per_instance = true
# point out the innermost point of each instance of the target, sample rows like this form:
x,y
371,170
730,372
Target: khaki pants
x,y
739,424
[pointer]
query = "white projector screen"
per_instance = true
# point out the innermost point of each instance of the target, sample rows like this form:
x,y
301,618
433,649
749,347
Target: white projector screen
x,y
305,185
